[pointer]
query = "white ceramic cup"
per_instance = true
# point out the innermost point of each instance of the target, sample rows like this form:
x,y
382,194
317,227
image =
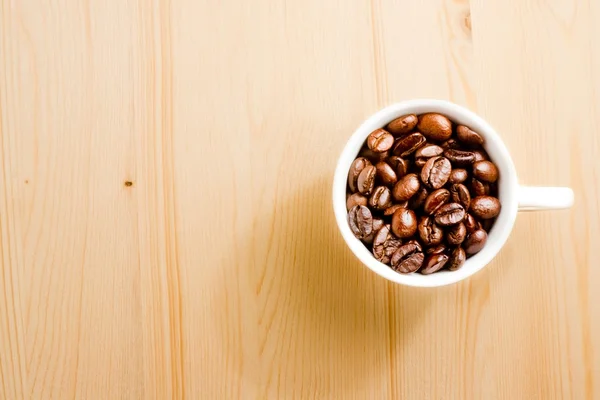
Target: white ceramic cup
x,y
513,196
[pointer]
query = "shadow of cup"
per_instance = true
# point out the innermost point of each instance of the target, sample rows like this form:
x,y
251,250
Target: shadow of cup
x,y
312,316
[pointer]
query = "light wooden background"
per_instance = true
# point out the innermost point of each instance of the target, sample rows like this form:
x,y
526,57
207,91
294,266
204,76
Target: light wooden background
x,y
219,273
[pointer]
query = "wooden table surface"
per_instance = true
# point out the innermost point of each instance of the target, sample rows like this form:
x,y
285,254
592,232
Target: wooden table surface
x,y
165,213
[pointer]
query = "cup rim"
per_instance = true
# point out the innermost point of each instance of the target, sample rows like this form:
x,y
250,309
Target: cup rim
x,y
507,190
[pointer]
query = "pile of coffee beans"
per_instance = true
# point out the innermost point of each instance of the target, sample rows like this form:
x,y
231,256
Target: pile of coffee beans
x,y
422,194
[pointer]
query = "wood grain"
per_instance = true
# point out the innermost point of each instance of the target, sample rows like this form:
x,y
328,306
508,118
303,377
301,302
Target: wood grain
x,y
165,219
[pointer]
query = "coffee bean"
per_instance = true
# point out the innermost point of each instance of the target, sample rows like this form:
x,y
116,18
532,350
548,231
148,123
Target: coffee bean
x,y
355,169
373,156
406,187
425,153
434,263
377,225
459,158
404,223
428,151
381,198
407,259
475,241
416,243
487,224
439,249
420,162
408,144
479,188
391,210
385,244
435,126
471,224
435,200
360,220
366,180
421,169
457,259
403,125
456,235
418,199
451,144
480,155
429,232
485,207
467,136
449,214
436,172
386,173
460,194
485,171
380,140
458,175
399,165
356,199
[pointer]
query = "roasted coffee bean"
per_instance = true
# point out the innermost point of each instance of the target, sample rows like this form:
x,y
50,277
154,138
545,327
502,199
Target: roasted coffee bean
x,y
479,188
471,224
407,259
458,175
418,199
406,187
451,144
485,207
425,153
386,174
459,158
373,156
420,162
355,169
434,185
460,194
408,144
366,180
456,234
399,164
487,224
480,155
356,199
475,241
416,243
360,220
457,259
404,223
485,171
449,214
435,126
385,244
434,263
391,210
467,136
428,151
378,223
380,140
381,198
403,125
435,200
436,172
439,249
429,232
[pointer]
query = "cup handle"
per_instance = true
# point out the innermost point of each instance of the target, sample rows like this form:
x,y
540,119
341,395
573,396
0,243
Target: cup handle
x,y
533,198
